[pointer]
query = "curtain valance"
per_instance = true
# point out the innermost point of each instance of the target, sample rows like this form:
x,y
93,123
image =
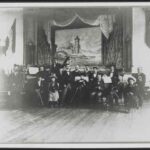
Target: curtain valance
x,y
105,22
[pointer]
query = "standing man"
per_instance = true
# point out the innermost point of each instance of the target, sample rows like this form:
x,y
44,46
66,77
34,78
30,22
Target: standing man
x,y
66,84
115,79
114,75
140,78
57,66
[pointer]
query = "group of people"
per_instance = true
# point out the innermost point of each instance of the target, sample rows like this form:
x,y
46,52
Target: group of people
x,y
63,86
60,85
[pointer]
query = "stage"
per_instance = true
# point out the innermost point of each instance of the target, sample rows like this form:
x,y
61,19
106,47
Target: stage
x,y
22,124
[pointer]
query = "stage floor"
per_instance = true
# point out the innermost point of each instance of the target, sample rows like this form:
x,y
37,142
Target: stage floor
x,y
72,125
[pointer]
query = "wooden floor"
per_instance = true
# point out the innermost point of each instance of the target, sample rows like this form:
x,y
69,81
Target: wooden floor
x,y
50,125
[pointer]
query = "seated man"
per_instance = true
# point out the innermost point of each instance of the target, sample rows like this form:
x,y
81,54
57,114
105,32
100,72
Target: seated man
x,y
131,94
111,89
97,90
123,82
93,75
79,91
93,78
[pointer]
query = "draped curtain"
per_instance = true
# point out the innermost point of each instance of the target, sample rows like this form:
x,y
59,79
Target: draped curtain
x,y
43,47
118,48
105,22
113,47
114,28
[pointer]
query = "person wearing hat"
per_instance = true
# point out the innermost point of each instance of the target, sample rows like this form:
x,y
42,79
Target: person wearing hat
x,y
53,90
131,96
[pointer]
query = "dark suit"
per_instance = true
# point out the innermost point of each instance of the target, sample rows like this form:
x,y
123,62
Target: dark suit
x,y
66,77
96,91
131,95
66,90
92,80
115,78
57,66
75,74
79,92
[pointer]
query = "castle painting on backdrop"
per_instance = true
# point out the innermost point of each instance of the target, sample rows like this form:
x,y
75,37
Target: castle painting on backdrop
x,y
83,45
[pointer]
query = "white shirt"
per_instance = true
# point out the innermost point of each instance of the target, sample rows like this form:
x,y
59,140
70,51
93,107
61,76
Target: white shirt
x,y
106,79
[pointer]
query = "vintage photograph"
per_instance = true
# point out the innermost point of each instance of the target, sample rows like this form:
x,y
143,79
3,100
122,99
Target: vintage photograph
x,y
74,73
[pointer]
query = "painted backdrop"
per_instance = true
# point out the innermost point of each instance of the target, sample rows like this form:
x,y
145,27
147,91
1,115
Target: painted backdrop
x,y
82,45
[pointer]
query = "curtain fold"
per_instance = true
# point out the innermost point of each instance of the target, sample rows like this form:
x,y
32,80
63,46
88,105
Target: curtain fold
x,y
113,47
104,21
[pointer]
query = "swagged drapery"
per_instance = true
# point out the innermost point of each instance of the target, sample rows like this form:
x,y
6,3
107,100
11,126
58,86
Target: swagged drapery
x,y
114,48
116,28
105,22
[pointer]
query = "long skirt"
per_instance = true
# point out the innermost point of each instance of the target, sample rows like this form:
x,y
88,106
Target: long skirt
x,y
53,96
